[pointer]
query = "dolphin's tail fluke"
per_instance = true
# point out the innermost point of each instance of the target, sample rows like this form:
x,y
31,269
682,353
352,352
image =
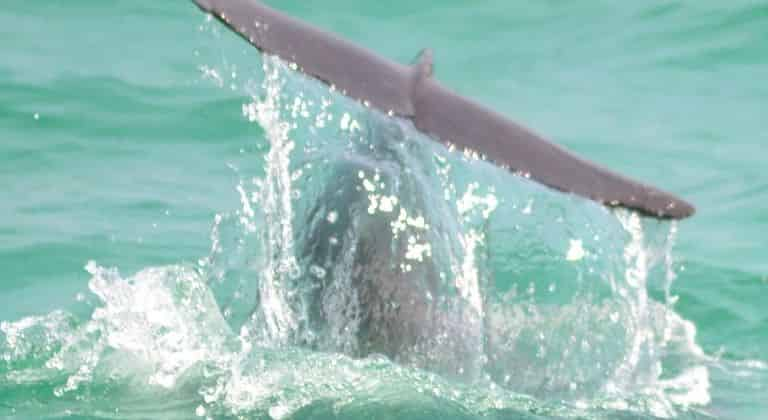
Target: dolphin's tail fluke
x,y
410,92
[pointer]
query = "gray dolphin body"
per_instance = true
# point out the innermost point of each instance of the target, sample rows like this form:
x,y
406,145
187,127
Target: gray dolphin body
x,y
373,299
411,92
365,304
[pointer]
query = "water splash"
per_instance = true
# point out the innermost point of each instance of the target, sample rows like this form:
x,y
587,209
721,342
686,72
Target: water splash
x,y
275,196
578,337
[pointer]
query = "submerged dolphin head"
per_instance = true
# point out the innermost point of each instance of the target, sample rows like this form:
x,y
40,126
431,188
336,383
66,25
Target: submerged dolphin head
x,y
382,290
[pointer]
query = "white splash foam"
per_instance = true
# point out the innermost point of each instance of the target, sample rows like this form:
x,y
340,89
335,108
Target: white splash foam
x,y
275,196
576,250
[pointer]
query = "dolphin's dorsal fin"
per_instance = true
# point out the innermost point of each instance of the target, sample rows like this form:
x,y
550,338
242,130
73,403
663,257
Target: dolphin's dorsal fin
x,y
423,64
422,69
411,92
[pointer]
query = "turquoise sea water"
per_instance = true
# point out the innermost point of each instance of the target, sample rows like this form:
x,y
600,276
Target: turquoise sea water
x,y
153,209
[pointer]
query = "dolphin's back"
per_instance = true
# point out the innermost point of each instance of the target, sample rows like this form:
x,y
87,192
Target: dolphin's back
x,y
410,92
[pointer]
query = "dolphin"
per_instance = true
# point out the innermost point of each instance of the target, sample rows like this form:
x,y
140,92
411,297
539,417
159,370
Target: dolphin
x,y
371,297
410,92
387,309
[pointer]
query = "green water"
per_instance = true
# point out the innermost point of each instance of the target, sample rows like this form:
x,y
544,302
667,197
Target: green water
x,y
124,143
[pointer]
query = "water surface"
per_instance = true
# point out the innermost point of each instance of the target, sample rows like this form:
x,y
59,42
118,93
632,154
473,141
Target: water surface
x,y
151,201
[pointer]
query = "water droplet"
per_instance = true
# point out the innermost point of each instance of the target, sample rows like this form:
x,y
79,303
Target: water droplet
x,y
528,207
278,412
614,316
317,271
368,185
575,251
